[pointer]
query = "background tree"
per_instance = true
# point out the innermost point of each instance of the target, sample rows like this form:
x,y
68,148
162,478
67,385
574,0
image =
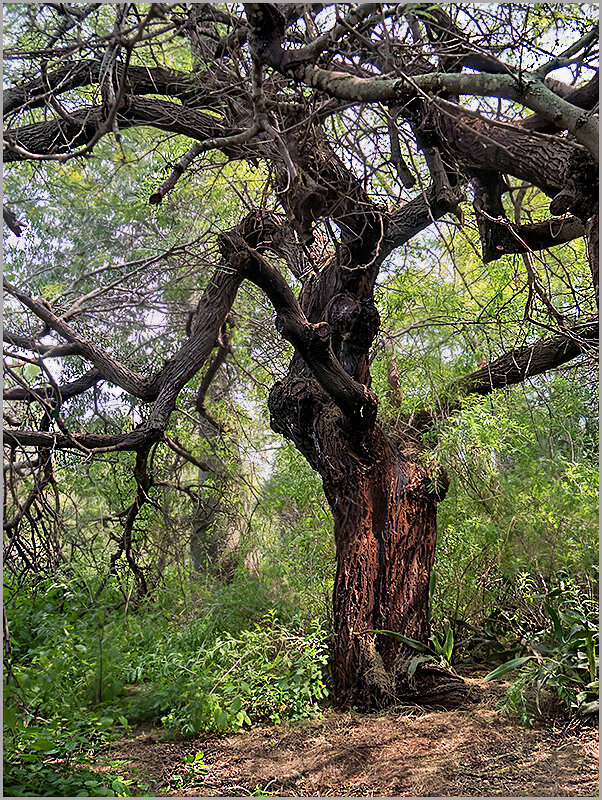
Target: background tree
x,y
360,123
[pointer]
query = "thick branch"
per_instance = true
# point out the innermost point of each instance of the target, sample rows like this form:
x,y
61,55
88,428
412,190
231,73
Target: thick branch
x,y
556,167
414,217
311,341
525,362
187,87
505,237
56,136
510,369
11,220
585,97
500,236
211,313
529,91
58,394
165,386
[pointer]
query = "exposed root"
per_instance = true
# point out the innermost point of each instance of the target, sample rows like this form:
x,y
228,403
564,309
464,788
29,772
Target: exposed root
x,y
435,687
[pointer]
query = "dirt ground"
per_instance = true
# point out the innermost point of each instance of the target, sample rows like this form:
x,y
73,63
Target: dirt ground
x,y
469,752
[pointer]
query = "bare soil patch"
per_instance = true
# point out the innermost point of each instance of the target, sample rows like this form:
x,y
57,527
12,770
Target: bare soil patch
x,y
468,752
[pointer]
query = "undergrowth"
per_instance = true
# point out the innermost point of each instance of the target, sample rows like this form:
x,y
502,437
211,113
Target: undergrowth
x,y
554,652
226,658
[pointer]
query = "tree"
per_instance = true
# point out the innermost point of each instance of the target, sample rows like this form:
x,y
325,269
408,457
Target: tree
x,y
366,124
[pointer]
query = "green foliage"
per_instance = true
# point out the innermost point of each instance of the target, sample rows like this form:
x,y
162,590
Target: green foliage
x,y
216,660
439,650
523,498
559,655
262,675
292,529
55,759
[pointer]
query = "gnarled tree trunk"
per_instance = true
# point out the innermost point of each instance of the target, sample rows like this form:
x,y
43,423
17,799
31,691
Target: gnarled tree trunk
x,y
384,505
385,533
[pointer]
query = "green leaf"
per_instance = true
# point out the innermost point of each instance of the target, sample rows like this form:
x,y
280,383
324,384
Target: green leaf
x,y
591,656
10,717
42,744
415,662
413,643
503,669
448,645
556,621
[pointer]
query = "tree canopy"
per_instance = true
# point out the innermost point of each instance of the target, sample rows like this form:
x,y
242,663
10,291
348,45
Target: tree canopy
x,y
410,191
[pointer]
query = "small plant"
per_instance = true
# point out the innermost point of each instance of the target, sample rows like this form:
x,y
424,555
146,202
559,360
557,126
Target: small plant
x,y
192,773
440,651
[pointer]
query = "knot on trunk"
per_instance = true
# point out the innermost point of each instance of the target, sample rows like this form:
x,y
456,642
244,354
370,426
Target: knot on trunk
x,y
319,338
295,407
240,261
354,324
579,196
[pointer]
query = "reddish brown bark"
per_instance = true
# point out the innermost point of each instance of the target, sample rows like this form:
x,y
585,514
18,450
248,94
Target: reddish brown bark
x,y
384,505
385,533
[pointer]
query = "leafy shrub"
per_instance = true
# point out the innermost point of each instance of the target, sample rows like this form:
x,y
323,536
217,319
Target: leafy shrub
x,y
561,656
523,499
55,759
198,682
215,659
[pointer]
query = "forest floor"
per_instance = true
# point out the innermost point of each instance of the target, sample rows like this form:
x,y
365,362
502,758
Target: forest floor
x,y
468,752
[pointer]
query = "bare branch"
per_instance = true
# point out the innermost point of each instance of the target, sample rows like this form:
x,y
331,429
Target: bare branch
x,y
59,394
43,350
217,143
109,367
93,442
525,362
